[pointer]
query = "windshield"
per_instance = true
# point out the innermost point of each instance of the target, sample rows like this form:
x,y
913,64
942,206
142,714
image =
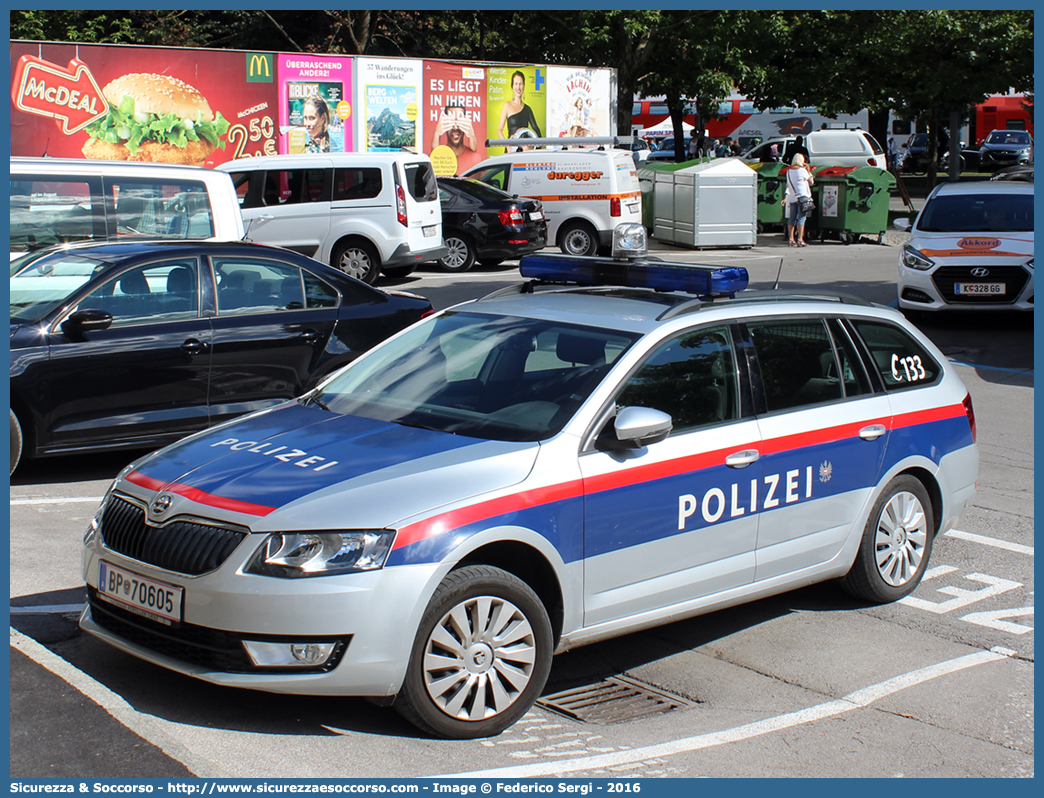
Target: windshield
x,y
492,377
978,213
39,285
1020,137
919,140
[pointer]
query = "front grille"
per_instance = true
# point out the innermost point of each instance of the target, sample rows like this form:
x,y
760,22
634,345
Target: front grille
x,y
183,547
1013,277
209,648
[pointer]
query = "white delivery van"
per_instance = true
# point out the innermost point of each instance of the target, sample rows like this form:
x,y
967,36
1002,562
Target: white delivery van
x,y
840,147
60,200
362,212
587,191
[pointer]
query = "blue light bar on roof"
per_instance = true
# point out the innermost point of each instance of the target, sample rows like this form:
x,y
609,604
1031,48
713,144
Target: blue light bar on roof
x,y
696,279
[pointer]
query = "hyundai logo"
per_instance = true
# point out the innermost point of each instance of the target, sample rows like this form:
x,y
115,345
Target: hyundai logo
x,y
980,272
162,503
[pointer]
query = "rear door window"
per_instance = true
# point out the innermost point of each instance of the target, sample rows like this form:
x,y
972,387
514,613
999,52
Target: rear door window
x,y
46,211
420,181
160,209
357,183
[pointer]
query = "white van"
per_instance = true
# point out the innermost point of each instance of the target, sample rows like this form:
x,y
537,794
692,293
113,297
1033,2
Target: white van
x,y
586,192
363,213
60,200
842,147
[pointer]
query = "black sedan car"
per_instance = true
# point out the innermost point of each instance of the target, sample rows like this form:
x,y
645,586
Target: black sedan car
x,y
119,346
483,223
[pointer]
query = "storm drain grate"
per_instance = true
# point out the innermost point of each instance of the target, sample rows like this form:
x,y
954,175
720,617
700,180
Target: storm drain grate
x,y
613,700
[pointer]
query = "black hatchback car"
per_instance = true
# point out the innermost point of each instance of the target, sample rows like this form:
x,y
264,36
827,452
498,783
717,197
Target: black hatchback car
x,y
118,346
483,223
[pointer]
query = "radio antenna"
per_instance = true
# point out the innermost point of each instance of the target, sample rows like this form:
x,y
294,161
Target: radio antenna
x,y
778,275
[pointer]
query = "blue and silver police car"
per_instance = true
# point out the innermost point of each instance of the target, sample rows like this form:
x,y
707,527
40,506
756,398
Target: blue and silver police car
x,y
611,445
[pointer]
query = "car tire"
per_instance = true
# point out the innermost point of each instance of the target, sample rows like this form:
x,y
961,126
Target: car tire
x,y
398,272
357,259
461,256
16,442
896,544
578,239
457,685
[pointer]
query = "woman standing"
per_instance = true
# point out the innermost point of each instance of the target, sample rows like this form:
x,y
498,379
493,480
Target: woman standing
x,y
799,186
517,115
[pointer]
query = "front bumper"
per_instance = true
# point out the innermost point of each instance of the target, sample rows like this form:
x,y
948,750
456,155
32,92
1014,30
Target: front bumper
x,y
999,159
368,615
935,289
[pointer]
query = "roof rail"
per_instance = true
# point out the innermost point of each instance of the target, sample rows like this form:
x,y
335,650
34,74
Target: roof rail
x,y
564,141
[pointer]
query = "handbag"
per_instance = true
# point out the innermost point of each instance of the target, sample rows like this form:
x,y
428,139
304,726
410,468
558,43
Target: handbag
x,y
806,205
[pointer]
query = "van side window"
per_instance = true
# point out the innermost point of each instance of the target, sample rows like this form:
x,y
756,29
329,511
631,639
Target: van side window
x,y
291,186
900,360
797,360
692,377
241,180
49,211
160,209
420,181
357,183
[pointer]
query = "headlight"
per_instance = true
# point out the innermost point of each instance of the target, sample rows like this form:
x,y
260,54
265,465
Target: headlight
x,y
294,554
1029,264
915,260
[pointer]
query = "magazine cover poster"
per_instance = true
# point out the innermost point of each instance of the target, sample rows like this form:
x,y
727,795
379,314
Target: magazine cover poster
x,y
315,104
516,106
578,102
388,94
107,102
454,116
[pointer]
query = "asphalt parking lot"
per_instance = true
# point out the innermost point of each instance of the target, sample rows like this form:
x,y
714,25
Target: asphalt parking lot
x,y
809,684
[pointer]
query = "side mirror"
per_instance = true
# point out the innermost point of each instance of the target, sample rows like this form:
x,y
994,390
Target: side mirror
x,y
636,427
87,320
902,224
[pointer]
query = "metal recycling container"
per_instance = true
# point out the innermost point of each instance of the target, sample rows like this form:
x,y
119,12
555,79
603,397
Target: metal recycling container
x,y
854,203
829,191
772,185
706,204
647,180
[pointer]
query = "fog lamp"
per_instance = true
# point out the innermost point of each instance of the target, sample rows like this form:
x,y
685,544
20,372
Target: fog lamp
x,y
288,655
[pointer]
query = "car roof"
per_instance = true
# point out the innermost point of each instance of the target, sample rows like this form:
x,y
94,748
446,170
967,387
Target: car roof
x,y
115,251
642,310
981,187
94,166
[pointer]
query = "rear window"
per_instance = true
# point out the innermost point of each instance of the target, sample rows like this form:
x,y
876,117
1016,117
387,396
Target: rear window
x,y
827,142
481,190
420,181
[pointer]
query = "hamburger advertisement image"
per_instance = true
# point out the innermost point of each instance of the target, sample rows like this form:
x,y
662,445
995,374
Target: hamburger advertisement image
x,y
155,118
146,104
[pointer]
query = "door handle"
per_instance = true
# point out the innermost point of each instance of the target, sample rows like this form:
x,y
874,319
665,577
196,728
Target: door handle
x,y
872,432
194,346
742,459
310,335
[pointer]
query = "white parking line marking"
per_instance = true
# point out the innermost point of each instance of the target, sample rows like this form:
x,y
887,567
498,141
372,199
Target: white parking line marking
x,y
997,543
115,705
59,500
48,609
857,700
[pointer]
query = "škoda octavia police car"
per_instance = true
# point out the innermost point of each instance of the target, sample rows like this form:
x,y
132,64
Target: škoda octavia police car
x,y
609,446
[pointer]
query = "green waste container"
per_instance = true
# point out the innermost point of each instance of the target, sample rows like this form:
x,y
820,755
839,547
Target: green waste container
x,y
852,202
772,185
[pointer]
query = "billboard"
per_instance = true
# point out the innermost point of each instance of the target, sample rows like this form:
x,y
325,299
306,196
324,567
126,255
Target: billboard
x,y
388,100
315,103
165,105
455,116
578,102
516,103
